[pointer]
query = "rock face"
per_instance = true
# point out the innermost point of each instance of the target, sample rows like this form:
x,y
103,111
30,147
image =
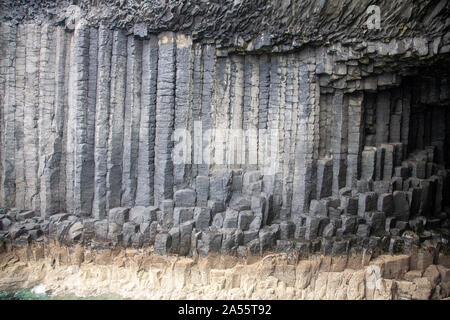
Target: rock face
x,y
86,272
223,133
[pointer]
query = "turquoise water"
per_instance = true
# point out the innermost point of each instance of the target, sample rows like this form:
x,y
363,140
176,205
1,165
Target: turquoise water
x,y
27,294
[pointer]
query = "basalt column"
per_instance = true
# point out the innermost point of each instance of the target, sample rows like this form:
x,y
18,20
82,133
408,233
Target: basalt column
x,y
165,102
102,115
146,158
116,119
8,115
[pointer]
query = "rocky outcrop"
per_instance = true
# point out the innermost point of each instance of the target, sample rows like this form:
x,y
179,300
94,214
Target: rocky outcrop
x,y
139,274
324,137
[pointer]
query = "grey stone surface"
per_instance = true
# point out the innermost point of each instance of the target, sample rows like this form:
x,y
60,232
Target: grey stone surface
x,y
141,214
90,104
119,215
185,198
202,217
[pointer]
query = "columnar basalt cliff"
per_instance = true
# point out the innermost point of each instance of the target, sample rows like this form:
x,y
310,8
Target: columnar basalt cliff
x,y
300,129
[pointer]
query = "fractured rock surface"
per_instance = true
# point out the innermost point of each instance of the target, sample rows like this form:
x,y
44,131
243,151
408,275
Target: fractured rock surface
x,y
336,142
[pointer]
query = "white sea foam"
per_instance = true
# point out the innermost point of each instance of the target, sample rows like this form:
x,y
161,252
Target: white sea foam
x,y
39,289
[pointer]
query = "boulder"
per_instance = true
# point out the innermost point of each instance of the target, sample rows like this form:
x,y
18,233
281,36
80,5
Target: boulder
x,y
401,205
268,236
115,232
367,202
239,203
185,237
245,219
166,214
22,216
210,241
202,218
182,214
202,190
149,231
231,240
287,230
163,242
218,220
76,232
185,198
129,230
118,215
231,219
141,214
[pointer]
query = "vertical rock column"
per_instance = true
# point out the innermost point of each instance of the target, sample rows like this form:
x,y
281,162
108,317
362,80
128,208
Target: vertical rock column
x,y
31,112
279,174
208,107
271,152
19,116
339,140
263,97
290,128
196,106
304,185
165,105
251,110
222,105
132,121
47,136
146,158
383,112
8,186
234,152
102,121
355,137
58,123
406,102
81,115
116,120
183,103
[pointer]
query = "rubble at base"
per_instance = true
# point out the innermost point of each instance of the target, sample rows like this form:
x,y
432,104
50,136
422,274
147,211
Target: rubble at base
x,y
393,216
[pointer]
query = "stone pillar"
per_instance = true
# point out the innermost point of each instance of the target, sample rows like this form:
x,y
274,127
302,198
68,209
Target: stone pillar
x,y
116,120
146,158
165,105
305,174
105,38
48,177
339,140
83,169
8,186
19,117
208,107
31,111
132,121
355,137
383,114
183,104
